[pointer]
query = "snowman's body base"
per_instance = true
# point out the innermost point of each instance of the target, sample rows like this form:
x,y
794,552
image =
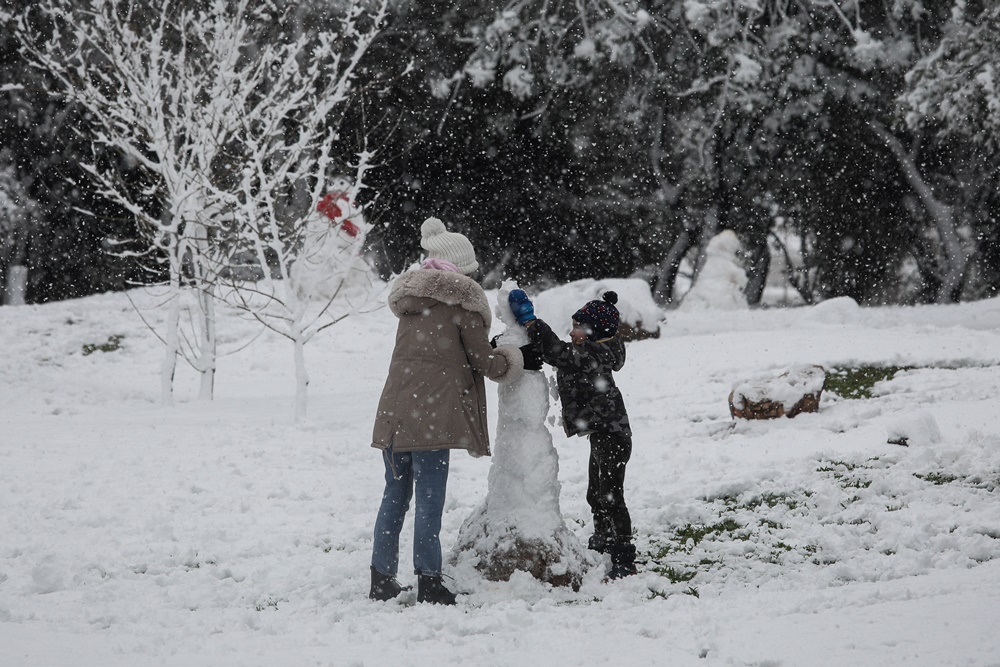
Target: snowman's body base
x,y
500,551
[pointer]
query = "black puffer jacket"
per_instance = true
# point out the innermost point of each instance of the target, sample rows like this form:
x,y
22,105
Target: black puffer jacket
x,y
591,402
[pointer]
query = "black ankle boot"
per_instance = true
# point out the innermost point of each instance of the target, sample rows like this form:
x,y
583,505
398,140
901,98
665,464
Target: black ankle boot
x,y
622,560
385,587
430,589
598,543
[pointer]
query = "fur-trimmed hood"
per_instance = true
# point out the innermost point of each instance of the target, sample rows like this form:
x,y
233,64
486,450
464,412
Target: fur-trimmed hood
x,y
435,393
454,289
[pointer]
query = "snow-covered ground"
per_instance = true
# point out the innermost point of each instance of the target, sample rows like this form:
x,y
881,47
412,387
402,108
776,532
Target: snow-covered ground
x,y
218,534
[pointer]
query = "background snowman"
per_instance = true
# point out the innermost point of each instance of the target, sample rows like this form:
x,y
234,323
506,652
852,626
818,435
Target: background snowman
x,y
330,264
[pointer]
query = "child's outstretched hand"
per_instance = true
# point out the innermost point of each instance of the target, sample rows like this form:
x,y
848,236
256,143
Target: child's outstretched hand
x,y
521,306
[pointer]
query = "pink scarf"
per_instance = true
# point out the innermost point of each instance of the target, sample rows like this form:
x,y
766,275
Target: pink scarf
x,y
439,264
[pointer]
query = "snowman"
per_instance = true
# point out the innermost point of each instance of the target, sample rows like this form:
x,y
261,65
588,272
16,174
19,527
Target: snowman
x,y
330,264
722,279
519,525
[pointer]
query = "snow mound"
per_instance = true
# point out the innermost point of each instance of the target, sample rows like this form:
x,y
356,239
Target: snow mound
x,y
913,429
840,310
635,303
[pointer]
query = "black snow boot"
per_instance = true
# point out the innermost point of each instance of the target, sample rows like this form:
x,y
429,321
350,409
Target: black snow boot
x,y
622,560
599,543
430,589
384,587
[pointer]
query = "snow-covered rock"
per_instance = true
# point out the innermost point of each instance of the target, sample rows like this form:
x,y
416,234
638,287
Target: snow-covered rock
x,y
786,394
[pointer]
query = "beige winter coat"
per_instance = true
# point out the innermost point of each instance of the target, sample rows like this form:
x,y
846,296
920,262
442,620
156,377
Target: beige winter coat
x,y
435,395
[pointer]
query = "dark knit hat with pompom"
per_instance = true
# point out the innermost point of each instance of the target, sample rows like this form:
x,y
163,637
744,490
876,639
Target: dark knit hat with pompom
x,y
601,316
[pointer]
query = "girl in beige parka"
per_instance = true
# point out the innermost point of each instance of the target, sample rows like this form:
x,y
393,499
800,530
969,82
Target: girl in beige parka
x,y
434,400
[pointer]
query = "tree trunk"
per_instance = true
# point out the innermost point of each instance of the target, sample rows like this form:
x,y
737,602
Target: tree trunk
x,y
663,292
956,256
171,341
760,265
16,286
207,351
297,331
301,379
708,231
205,274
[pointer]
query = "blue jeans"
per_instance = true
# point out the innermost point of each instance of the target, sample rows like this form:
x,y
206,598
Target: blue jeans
x,y
427,474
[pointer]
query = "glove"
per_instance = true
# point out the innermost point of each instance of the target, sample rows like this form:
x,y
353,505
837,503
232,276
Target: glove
x,y
532,357
521,306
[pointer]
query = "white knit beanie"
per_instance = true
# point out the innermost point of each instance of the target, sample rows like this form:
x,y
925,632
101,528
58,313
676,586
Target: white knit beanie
x,y
449,246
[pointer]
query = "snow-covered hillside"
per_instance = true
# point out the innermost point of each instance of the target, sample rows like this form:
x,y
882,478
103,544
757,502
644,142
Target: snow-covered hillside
x,y
222,534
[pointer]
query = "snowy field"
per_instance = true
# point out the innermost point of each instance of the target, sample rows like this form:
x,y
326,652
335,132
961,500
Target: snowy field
x,y
222,534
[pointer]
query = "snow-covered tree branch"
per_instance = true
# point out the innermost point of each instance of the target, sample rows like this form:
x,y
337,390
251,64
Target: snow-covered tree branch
x,y
956,88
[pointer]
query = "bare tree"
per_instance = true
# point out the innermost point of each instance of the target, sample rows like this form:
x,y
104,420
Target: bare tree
x,y
173,88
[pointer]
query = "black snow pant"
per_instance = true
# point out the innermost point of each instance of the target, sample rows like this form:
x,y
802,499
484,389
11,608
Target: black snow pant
x,y
609,452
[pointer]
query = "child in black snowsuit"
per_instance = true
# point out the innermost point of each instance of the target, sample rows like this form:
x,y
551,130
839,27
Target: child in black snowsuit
x,y
592,406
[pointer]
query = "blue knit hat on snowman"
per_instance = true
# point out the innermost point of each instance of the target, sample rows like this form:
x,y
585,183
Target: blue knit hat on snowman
x,y
601,317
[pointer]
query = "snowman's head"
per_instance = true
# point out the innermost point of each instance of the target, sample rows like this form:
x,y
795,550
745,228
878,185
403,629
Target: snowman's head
x,y
503,311
339,183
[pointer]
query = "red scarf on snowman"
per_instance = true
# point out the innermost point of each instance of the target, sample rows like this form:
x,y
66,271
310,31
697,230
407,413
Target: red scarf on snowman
x,y
328,206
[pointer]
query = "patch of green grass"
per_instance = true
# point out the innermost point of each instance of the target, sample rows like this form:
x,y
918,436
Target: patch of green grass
x,y
269,603
840,470
696,533
937,478
681,542
770,499
840,467
674,575
113,343
857,383
663,595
